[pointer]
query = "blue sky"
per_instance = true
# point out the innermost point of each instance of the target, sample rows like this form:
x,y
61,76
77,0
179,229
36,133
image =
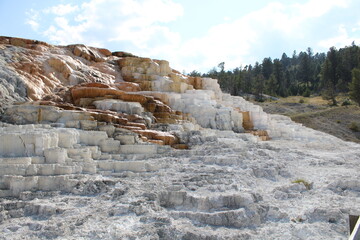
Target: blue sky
x,y
191,34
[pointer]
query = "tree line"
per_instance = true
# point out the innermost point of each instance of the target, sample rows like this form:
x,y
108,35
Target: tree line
x,y
304,73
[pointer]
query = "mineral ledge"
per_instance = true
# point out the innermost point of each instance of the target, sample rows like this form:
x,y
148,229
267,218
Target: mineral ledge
x,y
107,145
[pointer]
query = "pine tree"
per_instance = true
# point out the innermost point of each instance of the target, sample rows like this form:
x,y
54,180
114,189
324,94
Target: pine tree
x,y
355,85
329,76
259,87
267,68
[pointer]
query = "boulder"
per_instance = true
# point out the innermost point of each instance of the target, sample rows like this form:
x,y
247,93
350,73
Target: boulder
x,y
60,66
87,53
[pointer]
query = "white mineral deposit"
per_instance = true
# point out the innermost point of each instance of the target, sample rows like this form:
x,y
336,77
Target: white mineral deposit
x,y
82,158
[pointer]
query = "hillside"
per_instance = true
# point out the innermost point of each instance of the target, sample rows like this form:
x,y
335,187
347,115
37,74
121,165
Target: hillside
x,y
97,144
317,114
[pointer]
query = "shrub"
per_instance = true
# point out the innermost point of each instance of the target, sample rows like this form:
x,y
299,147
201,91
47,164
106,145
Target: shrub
x,y
301,101
346,102
306,183
338,121
306,93
259,99
354,127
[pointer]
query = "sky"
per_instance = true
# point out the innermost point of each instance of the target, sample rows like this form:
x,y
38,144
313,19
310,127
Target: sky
x,y
190,34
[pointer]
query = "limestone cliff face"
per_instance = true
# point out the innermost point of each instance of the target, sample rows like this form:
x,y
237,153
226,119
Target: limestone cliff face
x,y
43,68
134,92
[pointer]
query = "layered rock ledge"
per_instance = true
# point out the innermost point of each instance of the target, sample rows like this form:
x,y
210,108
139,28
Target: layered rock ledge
x,y
107,145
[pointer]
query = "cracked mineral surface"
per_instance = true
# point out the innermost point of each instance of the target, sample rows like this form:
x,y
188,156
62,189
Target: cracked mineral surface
x,y
101,145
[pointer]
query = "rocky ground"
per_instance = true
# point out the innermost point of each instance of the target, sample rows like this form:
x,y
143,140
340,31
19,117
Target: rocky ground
x,y
229,188
113,146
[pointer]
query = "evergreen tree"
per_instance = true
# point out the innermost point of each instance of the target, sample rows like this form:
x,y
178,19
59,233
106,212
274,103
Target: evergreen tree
x,y
302,74
259,87
259,82
285,61
305,72
270,83
280,85
355,85
238,81
267,68
329,76
194,73
248,79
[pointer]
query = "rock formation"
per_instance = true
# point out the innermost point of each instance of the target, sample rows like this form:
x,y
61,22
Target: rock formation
x,y
114,146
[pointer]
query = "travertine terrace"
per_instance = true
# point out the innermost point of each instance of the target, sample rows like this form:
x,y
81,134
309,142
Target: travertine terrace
x,y
107,145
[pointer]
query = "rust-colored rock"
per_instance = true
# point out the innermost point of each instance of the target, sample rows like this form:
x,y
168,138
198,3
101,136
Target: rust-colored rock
x,y
108,118
137,125
145,85
128,86
85,52
161,107
162,114
180,146
130,97
262,134
159,142
94,84
131,128
247,123
73,77
166,137
60,66
175,71
105,52
123,54
21,42
151,107
78,92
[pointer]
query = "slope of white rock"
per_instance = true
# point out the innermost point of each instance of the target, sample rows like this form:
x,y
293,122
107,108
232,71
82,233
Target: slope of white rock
x,y
64,175
228,186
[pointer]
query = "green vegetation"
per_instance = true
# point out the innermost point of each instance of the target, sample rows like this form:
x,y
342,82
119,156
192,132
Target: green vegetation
x,y
354,127
355,85
305,183
346,102
303,74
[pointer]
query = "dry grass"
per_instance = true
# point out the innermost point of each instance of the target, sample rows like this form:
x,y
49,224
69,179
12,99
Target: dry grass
x,y
335,121
307,100
316,113
305,183
315,100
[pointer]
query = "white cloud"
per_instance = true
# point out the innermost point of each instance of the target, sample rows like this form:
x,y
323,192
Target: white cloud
x,y
137,22
62,9
142,27
63,33
33,19
317,8
356,28
235,42
341,39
